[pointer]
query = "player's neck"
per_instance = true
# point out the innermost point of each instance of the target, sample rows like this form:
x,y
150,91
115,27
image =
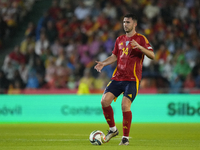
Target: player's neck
x,y
130,34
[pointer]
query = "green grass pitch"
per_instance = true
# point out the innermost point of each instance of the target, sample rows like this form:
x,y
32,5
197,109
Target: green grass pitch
x,y
76,137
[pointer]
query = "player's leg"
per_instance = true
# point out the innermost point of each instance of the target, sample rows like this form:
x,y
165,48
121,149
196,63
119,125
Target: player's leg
x,y
106,100
127,118
130,91
112,91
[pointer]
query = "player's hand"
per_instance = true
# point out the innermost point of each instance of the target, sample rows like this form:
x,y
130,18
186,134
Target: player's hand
x,y
99,66
134,45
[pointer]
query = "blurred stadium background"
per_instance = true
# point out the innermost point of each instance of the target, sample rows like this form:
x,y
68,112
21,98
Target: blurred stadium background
x,y
52,44
48,50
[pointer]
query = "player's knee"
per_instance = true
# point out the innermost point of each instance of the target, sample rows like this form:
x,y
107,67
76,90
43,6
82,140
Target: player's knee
x,y
104,102
125,107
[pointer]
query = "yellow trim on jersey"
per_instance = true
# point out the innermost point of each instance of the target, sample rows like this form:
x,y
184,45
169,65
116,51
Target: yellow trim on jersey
x,y
115,97
114,72
144,38
137,80
109,83
142,59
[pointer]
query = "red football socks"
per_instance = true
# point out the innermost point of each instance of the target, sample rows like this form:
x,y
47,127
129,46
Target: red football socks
x,y
108,114
127,118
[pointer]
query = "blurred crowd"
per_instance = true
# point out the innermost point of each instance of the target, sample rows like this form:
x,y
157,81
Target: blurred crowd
x,y
11,13
61,49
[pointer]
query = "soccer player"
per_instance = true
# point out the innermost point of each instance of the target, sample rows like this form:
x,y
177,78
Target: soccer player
x,y
129,53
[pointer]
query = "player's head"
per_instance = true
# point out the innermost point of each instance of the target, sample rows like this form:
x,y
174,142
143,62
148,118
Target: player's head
x,y
129,22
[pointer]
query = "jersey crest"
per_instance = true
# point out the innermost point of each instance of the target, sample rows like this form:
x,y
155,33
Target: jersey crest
x,y
127,42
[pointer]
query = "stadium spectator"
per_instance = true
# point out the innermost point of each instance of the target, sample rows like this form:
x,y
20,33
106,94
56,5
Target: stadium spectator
x,y
61,58
42,44
181,11
109,43
81,11
4,82
26,43
62,75
71,84
8,68
42,83
191,54
70,48
96,10
95,45
42,23
189,82
87,26
182,68
16,57
176,84
17,81
10,15
151,10
23,71
45,55
101,81
195,69
101,21
67,10
162,54
31,56
51,31
30,31
86,83
38,66
171,43
54,10
102,55
197,79
32,82
55,47
50,71
110,11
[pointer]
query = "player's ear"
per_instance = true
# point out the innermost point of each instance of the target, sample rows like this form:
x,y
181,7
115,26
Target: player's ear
x,y
135,23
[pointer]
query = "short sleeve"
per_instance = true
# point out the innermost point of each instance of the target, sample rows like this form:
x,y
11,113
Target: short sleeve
x,y
145,43
116,48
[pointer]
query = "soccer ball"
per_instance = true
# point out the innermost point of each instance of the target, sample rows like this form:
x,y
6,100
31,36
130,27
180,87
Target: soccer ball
x,y
97,137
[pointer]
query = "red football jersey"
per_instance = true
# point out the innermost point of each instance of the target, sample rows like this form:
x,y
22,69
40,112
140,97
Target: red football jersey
x,y
129,60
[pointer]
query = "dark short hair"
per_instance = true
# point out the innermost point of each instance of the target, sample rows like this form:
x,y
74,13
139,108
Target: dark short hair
x,y
130,15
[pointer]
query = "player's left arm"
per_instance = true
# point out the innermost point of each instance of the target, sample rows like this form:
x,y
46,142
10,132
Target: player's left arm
x,y
150,54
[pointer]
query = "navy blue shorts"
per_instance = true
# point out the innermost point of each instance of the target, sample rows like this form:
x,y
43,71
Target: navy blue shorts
x,y
129,88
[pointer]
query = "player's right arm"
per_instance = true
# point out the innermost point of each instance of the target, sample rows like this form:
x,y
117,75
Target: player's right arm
x,y
111,59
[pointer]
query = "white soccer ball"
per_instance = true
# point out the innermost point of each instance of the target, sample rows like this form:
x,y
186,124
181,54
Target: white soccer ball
x,y
97,137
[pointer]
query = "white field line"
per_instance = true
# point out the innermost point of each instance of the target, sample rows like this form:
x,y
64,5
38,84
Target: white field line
x,y
40,134
49,140
67,135
52,140
68,140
